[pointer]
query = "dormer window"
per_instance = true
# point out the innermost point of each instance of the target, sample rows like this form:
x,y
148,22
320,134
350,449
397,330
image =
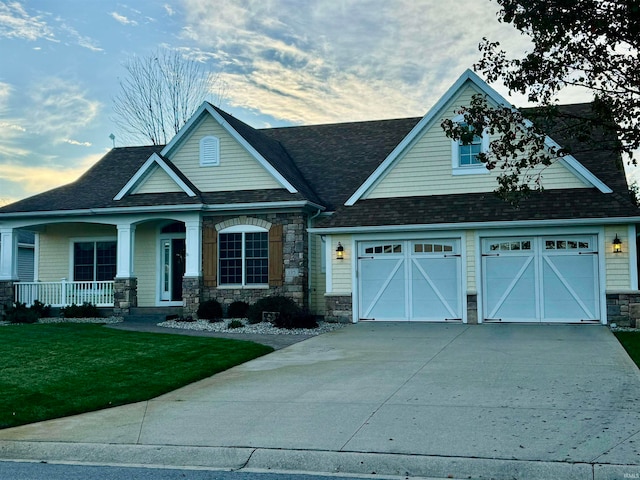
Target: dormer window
x,y
209,151
464,155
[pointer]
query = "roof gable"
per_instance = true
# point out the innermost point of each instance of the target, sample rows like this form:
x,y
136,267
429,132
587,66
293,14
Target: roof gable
x,y
208,113
568,173
146,171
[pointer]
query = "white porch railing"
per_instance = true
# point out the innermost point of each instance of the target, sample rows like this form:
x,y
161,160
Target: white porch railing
x,y
65,293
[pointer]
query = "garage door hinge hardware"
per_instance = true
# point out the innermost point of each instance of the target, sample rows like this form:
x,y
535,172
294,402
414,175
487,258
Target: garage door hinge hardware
x,y
587,253
492,319
452,319
490,254
453,255
360,258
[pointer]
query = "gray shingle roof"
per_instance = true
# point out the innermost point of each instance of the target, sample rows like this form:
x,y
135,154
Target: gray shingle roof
x,y
327,163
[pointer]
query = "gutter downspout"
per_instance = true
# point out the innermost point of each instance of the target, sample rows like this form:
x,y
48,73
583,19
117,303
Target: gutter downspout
x,y
310,254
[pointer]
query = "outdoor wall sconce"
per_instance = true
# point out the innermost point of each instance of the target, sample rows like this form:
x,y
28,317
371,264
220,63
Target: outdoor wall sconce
x,y
339,252
617,244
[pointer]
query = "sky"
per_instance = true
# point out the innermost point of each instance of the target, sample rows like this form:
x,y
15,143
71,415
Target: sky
x,y
279,62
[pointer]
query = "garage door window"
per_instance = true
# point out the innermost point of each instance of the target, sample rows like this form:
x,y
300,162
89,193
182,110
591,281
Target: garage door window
x,y
382,249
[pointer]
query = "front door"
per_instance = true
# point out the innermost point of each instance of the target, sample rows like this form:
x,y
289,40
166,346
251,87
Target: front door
x,y
173,267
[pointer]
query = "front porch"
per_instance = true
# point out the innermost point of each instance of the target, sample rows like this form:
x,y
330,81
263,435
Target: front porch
x,y
65,293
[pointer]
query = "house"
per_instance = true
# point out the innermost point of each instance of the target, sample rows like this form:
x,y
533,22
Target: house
x,y
379,220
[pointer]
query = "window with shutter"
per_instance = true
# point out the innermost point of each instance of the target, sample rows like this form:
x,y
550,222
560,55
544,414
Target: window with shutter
x,y
209,151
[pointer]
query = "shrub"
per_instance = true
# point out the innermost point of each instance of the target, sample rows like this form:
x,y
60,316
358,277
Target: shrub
x,y
19,313
41,309
210,310
238,309
86,310
235,324
282,305
187,319
303,319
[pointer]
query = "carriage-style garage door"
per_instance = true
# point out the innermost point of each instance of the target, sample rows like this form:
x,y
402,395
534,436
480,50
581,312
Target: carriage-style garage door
x,y
410,280
540,279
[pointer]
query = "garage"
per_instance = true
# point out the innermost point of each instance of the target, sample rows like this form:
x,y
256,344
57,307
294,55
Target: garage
x,y
540,279
410,280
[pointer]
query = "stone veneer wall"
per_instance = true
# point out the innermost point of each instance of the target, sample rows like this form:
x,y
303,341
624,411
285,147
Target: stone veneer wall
x,y
624,309
125,295
472,309
339,308
295,259
7,295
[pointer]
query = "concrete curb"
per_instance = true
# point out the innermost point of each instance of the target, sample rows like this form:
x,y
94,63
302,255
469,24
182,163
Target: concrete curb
x,y
309,461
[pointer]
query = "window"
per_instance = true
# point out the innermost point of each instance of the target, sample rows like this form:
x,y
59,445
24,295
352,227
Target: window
x,y
209,151
464,157
244,255
94,261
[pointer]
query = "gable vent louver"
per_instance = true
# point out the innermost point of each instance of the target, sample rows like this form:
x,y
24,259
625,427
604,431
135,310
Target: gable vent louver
x,y
209,151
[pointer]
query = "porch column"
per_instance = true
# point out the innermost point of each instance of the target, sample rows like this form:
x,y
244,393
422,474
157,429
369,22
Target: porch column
x,y
8,266
193,264
8,254
126,242
192,282
125,288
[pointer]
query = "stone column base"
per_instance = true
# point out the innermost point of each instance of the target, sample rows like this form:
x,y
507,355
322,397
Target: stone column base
x,y
472,309
125,295
7,295
339,308
191,295
623,309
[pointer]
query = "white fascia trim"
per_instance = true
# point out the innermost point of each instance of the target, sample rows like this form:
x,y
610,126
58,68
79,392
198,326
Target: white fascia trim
x,y
35,216
475,225
146,169
579,170
427,120
195,119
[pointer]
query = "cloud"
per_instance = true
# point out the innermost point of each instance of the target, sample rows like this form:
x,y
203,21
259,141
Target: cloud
x,y
318,63
15,22
170,11
123,20
76,142
32,180
84,42
60,109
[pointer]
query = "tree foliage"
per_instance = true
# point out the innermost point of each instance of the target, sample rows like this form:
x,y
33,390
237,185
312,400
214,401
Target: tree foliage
x,y
589,44
160,93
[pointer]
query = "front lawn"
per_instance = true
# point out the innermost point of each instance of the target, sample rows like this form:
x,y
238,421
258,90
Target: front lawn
x,y
50,371
631,343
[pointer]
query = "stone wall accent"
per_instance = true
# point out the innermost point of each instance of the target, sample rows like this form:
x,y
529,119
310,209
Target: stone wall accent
x,y
295,259
125,295
472,308
191,295
339,308
7,295
624,309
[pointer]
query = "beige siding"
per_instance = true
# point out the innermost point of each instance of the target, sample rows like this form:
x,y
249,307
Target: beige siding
x,y
471,260
341,269
238,170
318,277
145,264
54,261
426,168
617,264
158,182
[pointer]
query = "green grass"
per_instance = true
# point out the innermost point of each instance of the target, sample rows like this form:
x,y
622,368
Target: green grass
x,y
631,343
51,371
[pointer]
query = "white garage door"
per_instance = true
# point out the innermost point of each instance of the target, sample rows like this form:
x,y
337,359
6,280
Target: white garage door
x,y
410,280
540,279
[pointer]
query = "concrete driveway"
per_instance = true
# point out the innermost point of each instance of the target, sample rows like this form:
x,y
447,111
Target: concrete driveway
x,y
430,400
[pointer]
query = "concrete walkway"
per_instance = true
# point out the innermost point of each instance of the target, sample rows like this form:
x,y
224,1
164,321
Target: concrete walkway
x,y
424,400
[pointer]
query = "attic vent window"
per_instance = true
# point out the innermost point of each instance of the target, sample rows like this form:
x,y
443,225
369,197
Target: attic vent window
x,y
209,151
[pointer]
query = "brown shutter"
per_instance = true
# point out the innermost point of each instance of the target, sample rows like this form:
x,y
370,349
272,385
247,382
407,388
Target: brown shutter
x,y
276,261
210,256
